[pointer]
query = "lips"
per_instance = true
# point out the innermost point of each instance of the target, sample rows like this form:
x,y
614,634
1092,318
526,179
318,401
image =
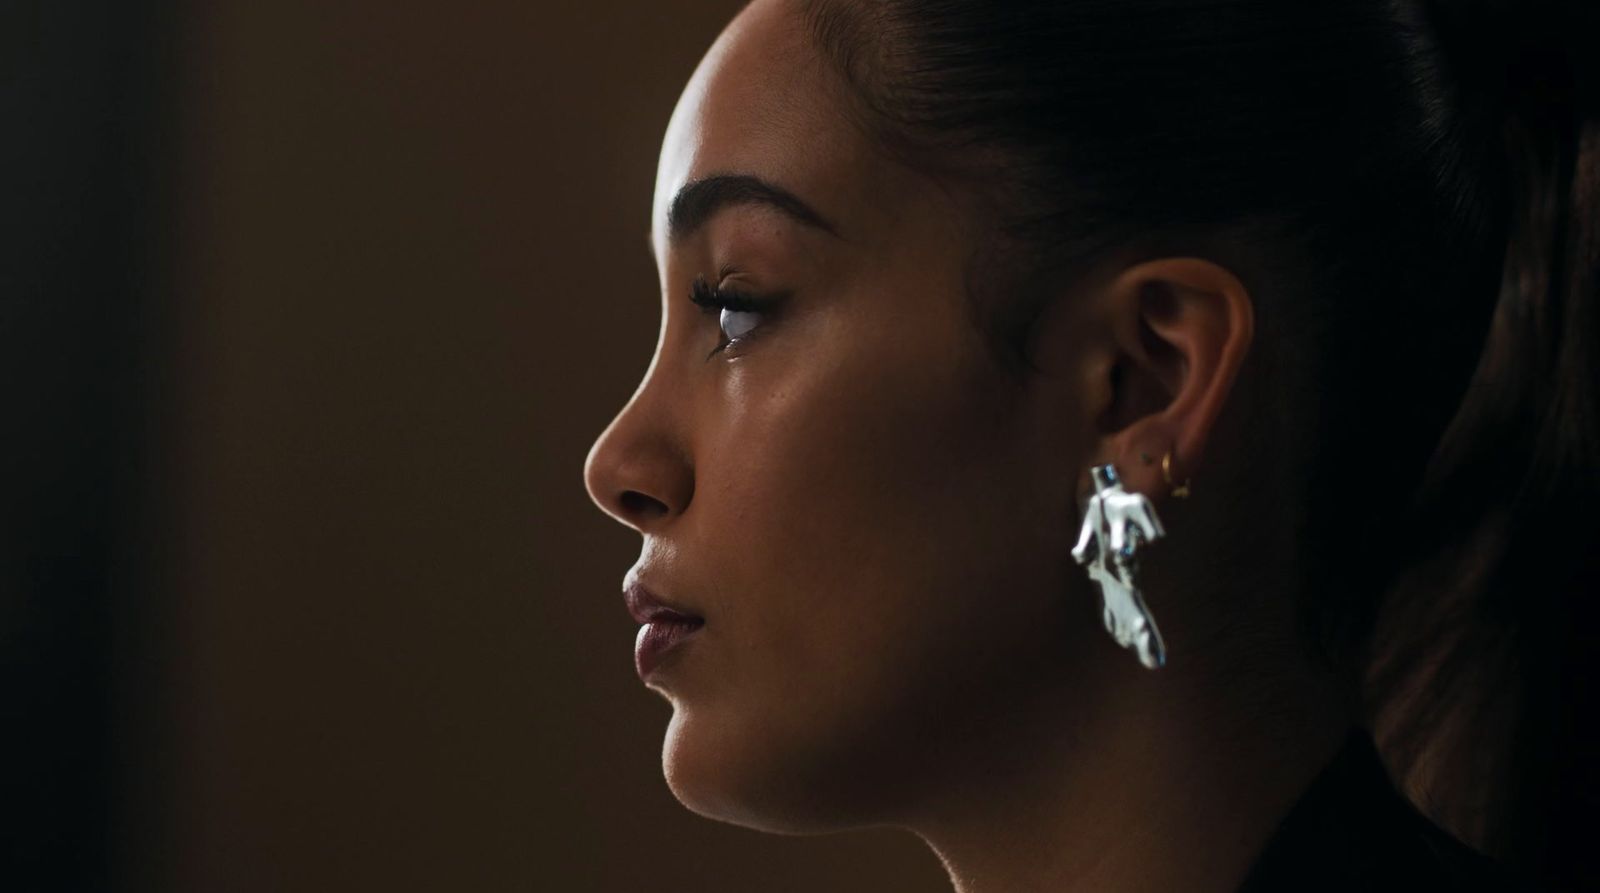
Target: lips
x,y
664,627
646,607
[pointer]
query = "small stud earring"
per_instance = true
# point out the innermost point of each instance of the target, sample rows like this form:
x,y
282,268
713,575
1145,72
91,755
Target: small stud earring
x,y
1179,491
1115,524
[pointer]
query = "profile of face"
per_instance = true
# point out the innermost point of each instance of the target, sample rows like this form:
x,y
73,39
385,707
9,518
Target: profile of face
x,y
870,512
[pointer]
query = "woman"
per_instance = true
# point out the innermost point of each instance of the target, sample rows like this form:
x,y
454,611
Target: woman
x,y
961,300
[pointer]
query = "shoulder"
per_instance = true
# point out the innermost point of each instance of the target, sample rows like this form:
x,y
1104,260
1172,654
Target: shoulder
x,y
1352,830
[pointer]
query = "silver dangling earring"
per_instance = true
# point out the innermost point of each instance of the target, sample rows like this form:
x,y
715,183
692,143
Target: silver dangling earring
x,y
1115,524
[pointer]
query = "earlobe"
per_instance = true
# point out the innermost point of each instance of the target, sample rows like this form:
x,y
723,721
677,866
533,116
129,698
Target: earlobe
x,y
1183,328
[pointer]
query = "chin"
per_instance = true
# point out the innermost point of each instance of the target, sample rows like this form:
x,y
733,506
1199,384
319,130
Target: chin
x,y
721,771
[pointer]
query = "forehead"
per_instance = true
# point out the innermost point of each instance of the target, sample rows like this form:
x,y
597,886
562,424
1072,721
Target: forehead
x,y
763,102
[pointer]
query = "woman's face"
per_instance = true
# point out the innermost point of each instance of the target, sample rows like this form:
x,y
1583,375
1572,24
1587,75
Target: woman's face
x,y
872,516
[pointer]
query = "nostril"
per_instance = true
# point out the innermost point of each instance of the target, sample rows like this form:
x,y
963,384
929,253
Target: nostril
x,y
638,505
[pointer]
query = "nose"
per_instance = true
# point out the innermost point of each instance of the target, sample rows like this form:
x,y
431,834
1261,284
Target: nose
x,y
638,471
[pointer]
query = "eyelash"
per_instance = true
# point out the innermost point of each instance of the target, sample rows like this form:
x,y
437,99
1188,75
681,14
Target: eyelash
x,y
714,299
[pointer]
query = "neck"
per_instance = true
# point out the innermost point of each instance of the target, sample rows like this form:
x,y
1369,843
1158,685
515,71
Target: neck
x,y
1168,789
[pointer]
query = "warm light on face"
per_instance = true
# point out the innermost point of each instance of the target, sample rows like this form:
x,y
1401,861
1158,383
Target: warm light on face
x,y
845,489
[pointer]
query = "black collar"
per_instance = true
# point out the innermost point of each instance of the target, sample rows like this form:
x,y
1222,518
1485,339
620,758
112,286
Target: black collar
x,y
1353,830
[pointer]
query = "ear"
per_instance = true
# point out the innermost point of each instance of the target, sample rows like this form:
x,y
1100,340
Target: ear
x,y
1180,330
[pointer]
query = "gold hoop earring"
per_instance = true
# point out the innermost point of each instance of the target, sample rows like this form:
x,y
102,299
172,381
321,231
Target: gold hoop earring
x,y
1179,491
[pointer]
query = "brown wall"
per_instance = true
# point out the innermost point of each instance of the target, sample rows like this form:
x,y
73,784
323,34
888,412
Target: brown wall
x,y
411,288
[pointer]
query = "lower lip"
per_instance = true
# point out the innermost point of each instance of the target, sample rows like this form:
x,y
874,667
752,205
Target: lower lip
x,y
658,637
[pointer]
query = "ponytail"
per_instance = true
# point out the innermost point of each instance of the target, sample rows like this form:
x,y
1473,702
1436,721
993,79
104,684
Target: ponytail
x,y
1391,157
1482,673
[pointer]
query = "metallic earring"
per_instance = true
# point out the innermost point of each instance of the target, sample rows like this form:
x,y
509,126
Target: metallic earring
x,y
1179,491
1115,524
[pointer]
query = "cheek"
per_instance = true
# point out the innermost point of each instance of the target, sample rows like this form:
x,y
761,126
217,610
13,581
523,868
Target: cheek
x,y
882,554
862,482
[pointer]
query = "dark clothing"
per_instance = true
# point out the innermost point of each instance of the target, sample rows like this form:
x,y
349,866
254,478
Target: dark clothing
x,y
1352,830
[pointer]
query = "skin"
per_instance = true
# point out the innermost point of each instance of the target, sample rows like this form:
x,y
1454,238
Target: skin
x,y
874,518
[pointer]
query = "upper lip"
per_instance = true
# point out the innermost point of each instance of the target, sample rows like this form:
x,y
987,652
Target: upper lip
x,y
645,606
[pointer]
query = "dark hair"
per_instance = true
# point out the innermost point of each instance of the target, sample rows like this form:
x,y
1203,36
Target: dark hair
x,y
1430,172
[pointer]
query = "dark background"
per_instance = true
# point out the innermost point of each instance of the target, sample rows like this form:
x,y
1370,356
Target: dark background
x,y
309,312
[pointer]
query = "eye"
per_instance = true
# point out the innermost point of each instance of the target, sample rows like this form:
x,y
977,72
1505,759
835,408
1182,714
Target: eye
x,y
737,323
740,313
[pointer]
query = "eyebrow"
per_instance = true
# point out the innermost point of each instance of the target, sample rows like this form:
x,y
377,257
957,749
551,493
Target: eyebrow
x,y
700,200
